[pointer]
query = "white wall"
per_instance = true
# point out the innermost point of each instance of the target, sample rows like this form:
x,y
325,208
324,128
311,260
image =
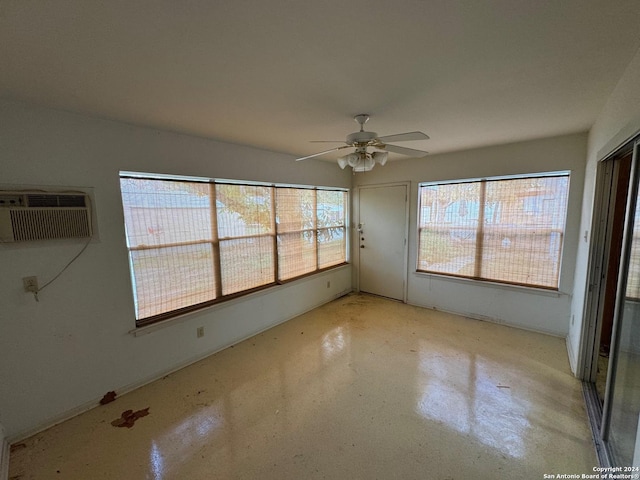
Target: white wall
x,y
618,121
525,308
61,354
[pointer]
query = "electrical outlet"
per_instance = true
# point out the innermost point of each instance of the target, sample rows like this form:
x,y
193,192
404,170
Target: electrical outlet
x,y
30,284
200,332
328,284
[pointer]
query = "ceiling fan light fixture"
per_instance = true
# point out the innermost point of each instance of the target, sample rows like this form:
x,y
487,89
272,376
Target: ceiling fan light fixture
x,y
380,157
352,159
343,162
365,164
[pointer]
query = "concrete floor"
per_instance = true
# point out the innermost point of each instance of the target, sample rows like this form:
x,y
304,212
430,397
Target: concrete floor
x,y
361,388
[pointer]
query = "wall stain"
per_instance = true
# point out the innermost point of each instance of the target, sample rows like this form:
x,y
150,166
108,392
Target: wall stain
x,y
108,397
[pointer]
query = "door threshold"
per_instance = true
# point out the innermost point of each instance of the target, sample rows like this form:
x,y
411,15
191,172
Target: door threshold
x,y
594,414
382,296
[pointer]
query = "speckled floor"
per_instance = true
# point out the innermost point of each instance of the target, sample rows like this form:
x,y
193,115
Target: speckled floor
x,y
362,388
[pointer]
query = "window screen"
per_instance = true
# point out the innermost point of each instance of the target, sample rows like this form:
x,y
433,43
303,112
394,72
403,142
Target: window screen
x,y
194,243
505,230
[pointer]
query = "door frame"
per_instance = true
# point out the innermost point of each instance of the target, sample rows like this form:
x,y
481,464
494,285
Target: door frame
x,y
621,289
597,270
356,233
606,191
598,258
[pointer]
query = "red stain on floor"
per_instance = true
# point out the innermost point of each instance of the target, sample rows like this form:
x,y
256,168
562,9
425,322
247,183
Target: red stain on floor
x,y
129,417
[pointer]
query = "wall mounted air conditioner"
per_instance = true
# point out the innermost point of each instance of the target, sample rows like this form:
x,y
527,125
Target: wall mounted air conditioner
x,y
26,216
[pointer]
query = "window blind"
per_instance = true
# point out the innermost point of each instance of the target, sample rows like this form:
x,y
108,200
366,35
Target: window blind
x,y
169,236
295,213
505,230
193,243
331,227
245,230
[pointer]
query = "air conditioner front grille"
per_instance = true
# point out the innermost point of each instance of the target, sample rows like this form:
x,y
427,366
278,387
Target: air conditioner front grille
x,y
46,224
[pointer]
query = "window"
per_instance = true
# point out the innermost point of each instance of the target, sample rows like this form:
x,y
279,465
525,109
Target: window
x,y
330,218
311,230
196,242
246,236
295,214
507,230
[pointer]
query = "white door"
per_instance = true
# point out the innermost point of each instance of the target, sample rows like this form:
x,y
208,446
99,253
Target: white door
x,y
382,240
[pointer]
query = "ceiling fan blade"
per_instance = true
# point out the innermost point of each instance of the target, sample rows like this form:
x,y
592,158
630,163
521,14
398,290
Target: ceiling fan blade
x,y
404,151
326,141
322,153
404,137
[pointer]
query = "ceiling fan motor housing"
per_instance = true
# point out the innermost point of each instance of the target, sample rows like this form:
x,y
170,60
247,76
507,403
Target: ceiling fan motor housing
x,y
361,137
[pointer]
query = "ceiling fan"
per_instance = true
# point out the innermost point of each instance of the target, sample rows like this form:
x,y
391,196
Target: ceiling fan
x,y
361,160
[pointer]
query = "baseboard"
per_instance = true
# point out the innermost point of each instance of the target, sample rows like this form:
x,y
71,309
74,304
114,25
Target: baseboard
x,y
572,358
497,321
157,376
4,459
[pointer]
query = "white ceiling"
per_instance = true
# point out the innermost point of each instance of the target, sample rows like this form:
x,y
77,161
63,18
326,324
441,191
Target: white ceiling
x,y
278,73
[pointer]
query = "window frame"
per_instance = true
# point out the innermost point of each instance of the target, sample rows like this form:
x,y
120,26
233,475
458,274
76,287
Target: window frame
x,y
216,240
479,230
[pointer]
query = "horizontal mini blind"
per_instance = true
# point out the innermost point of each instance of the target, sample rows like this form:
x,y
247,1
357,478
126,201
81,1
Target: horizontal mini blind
x,y
506,230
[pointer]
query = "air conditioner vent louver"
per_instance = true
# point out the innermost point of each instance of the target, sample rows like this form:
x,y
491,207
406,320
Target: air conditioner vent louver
x,y
26,216
52,200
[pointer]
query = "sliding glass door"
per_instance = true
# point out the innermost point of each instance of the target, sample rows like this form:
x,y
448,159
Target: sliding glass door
x,y
619,428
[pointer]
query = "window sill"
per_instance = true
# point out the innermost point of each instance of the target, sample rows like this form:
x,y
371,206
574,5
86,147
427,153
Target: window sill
x,y
487,284
146,329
